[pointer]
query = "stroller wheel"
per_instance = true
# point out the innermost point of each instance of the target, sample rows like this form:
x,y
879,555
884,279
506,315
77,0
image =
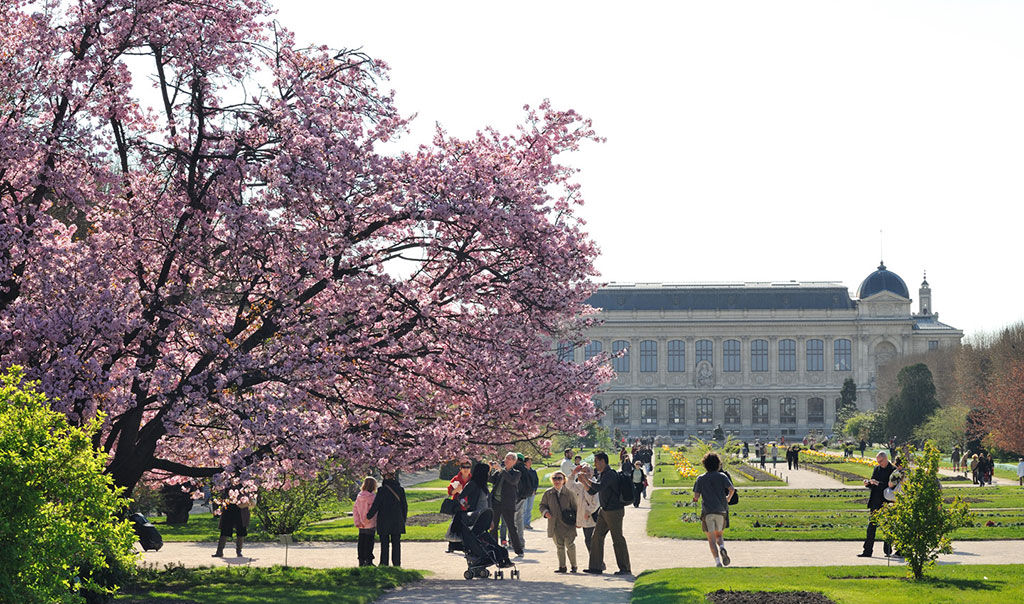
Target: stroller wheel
x,y
514,574
483,573
499,575
468,574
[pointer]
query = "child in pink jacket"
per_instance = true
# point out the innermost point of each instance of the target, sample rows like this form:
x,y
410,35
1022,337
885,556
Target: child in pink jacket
x,y
367,526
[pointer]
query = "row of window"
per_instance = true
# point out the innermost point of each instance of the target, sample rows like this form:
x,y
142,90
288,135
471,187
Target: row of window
x,y
705,411
814,355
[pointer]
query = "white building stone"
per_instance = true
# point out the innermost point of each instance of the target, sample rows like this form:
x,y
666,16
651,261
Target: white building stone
x,y
759,359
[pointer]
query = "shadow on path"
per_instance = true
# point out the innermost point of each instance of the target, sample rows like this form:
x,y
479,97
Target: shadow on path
x,y
604,591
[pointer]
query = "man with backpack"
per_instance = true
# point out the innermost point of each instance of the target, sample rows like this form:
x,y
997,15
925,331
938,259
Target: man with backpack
x,y
607,484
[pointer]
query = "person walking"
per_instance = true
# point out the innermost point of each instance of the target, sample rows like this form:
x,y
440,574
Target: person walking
x,y
625,462
391,508
789,458
763,448
558,505
714,489
954,458
975,462
367,526
877,483
863,446
531,475
775,454
638,482
455,486
965,461
234,519
1020,471
506,481
605,484
746,449
796,457
586,504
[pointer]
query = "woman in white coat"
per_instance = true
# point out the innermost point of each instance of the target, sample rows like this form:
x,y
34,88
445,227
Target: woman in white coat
x,y
586,504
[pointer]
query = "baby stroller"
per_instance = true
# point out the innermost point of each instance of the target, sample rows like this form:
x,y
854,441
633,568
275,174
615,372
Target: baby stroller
x,y
482,550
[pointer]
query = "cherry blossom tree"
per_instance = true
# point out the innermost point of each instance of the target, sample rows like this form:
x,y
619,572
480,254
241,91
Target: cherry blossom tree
x,y
204,236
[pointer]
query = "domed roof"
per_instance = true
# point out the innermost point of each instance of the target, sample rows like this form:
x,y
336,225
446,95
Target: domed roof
x,y
882,280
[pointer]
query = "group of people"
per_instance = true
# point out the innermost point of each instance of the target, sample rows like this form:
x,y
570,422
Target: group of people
x,y
380,512
980,465
581,497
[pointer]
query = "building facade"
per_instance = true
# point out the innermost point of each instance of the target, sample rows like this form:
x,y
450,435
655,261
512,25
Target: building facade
x,y
759,359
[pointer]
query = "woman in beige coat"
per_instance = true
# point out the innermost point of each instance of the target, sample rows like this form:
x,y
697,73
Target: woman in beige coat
x,y
586,504
557,503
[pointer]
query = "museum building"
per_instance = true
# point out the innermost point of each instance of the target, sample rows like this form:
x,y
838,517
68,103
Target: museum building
x,y
759,359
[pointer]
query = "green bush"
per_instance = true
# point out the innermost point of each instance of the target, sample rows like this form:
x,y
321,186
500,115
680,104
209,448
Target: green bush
x,y
285,511
57,514
917,523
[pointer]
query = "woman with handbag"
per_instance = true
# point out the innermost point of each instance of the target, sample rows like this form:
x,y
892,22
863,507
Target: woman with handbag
x,y
558,505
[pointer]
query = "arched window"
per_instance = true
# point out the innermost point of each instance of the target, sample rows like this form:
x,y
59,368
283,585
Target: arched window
x,y
759,355
648,356
731,355
705,411
620,364
649,411
620,412
676,356
759,411
787,410
815,410
787,355
705,351
677,411
732,410
565,351
841,355
815,355
591,350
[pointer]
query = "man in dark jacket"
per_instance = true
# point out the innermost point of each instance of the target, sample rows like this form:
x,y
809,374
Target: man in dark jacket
x,y
877,483
506,482
391,508
605,484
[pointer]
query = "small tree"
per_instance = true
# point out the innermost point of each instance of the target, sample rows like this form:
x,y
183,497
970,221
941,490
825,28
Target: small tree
x,y
947,426
285,511
57,510
917,523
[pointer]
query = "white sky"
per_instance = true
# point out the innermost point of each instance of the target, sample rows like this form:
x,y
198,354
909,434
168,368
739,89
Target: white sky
x,y
747,141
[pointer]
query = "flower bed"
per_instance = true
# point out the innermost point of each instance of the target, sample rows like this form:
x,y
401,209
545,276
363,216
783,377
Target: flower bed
x,y
825,457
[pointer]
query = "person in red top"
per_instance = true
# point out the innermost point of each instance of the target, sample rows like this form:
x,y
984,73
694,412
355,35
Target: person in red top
x,y
459,482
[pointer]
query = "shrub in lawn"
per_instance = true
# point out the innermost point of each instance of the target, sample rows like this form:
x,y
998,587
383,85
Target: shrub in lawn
x,y
57,510
285,511
917,523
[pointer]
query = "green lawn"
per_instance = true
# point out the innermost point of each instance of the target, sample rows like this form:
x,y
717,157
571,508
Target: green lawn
x,y
275,585
947,584
818,515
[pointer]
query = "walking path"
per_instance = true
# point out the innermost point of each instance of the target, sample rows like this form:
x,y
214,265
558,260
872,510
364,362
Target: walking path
x,y
540,584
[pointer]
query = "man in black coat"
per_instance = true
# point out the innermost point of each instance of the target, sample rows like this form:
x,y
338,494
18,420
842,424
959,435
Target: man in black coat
x,y
605,485
530,475
391,508
505,493
877,483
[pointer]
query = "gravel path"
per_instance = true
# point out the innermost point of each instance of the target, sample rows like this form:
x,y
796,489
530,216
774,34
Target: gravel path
x,y
540,584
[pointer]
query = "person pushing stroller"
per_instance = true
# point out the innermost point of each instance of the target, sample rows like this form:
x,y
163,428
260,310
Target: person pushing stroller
x,y
473,519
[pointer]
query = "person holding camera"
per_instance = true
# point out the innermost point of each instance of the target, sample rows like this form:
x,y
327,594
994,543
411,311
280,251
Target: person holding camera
x,y
877,483
558,505
504,498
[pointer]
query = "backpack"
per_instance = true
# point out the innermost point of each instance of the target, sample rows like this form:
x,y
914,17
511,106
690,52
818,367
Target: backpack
x,y
523,486
625,480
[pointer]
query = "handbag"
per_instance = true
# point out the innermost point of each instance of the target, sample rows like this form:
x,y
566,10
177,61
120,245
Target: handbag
x,y
449,507
568,514
889,494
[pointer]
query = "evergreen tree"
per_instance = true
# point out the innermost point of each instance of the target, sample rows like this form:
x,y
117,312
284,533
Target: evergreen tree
x,y
913,404
847,405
